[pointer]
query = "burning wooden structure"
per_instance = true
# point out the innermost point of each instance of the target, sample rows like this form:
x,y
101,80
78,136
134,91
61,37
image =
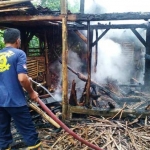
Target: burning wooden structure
x,y
48,27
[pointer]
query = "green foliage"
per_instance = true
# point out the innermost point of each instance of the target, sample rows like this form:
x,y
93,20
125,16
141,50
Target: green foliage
x,y
34,43
54,5
34,49
2,45
74,6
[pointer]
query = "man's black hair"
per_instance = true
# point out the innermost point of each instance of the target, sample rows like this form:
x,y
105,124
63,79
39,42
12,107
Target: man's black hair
x,y
11,35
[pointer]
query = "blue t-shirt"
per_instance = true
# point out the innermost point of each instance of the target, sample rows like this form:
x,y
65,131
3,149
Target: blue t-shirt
x,y
12,62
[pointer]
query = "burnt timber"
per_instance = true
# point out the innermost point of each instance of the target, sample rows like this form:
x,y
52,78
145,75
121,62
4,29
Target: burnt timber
x,y
79,17
104,113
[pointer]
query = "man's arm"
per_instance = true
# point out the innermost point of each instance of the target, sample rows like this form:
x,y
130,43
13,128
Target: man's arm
x,y
25,82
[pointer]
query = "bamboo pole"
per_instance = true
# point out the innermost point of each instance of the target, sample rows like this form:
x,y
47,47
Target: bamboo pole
x,y
43,114
64,61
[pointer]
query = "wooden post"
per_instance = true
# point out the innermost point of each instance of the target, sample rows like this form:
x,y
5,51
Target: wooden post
x,y
48,79
64,61
147,61
23,38
89,48
64,8
96,52
82,6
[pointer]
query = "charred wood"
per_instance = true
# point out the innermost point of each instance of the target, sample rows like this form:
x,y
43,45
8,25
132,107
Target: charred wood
x,y
73,97
89,54
108,26
81,17
82,99
84,78
95,42
139,37
107,112
148,107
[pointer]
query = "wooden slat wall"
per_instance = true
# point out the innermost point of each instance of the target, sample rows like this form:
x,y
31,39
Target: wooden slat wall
x,y
35,65
32,66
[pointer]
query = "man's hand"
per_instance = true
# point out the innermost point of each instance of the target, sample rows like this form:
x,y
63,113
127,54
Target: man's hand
x,y
34,96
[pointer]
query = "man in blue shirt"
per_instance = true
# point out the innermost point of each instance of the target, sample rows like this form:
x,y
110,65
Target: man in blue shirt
x,y
13,76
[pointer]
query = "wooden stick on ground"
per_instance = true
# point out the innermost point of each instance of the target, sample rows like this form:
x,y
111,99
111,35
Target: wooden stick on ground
x,y
124,106
43,114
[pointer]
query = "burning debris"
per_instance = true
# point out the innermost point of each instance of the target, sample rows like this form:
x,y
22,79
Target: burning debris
x,y
129,133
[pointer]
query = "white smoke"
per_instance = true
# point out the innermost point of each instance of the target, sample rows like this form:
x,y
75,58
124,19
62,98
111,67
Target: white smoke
x,y
75,63
111,62
117,5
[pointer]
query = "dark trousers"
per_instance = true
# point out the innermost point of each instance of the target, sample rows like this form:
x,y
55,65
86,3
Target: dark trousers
x,y
24,124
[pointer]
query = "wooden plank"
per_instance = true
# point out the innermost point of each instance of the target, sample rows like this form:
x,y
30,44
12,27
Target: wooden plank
x,y
81,36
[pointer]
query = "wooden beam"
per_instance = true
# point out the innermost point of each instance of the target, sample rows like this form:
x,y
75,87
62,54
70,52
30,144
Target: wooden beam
x,y
105,26
81,36
139,37
114,16
80,17
9,3
95,42
32,18
15,9
106,112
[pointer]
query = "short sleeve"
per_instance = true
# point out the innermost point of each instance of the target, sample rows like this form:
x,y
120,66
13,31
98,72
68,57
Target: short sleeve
x,y
21,63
